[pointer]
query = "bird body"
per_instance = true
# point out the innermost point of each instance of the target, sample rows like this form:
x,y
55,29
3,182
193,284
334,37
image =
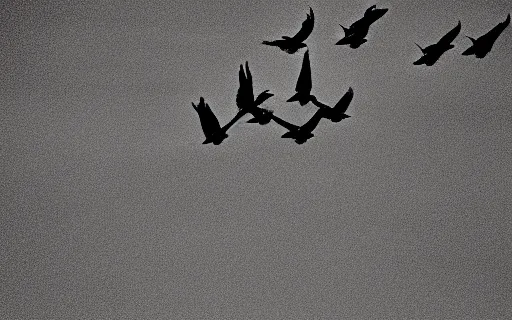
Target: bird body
x,y
483,45
432,53
293,44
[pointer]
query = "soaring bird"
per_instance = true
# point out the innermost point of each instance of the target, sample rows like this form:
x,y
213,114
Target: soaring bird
x,y
245,98
211,127
337,113
355,34
304,85
433,52
293,44
483,45
302,133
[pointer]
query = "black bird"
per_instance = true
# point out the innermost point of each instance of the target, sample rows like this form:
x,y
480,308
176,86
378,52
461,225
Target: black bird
x,y
304,85
245,98
302,133
356,33
293,44
337,113
433,52
483,45
211,127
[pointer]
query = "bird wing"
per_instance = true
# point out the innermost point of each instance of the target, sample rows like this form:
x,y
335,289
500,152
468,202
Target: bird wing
x,y
450,36
495,32
244,95
313,122
344,102
209,122
307,27
304,81
237,117
284,124
262,97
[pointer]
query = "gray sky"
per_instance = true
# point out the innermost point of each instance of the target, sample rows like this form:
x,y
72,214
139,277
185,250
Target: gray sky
x,y
111,208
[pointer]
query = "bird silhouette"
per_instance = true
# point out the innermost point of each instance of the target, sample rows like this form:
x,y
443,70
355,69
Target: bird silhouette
x,y
302,133
337,113
245,98
210,125
304,85
433,52
293,44
355,35
483,45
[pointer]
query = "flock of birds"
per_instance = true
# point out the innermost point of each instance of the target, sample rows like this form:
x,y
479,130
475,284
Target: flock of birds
x,y
354,37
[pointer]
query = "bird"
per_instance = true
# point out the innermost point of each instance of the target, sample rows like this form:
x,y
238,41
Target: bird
x,y
355,34
483,45
433,52
304,85
210,125
293,44
245,98
300,134
337,113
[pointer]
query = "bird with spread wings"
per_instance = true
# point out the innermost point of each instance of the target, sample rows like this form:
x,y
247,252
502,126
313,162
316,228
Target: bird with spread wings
x,y
212,130
483,45
293,44
433,52
245,98
336,113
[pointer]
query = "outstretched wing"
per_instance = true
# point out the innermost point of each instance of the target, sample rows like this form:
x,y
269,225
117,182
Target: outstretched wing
x,y
450,36
284,124
495,32
244,95
209,122
344,102
237,117
262,97
304,82
307,27
313,122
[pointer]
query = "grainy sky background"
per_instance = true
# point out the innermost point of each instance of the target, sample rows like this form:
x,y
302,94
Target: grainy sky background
x,y
111,208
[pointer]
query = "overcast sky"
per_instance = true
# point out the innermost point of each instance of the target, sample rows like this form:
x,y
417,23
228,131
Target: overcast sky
x,y
111,208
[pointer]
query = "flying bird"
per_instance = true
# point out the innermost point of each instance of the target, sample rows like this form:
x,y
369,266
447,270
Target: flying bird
x,y
293,44
355,35
483,45
210,125
336,113
433,52
245,98
302,133
304,85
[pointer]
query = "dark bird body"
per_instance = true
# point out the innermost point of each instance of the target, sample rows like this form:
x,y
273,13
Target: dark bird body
x,y
302,133
483,45
293,44
210,125
245,98
432,53
355,35
304,83
337,113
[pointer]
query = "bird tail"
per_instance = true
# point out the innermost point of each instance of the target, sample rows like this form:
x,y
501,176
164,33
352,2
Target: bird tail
x,y
269,43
